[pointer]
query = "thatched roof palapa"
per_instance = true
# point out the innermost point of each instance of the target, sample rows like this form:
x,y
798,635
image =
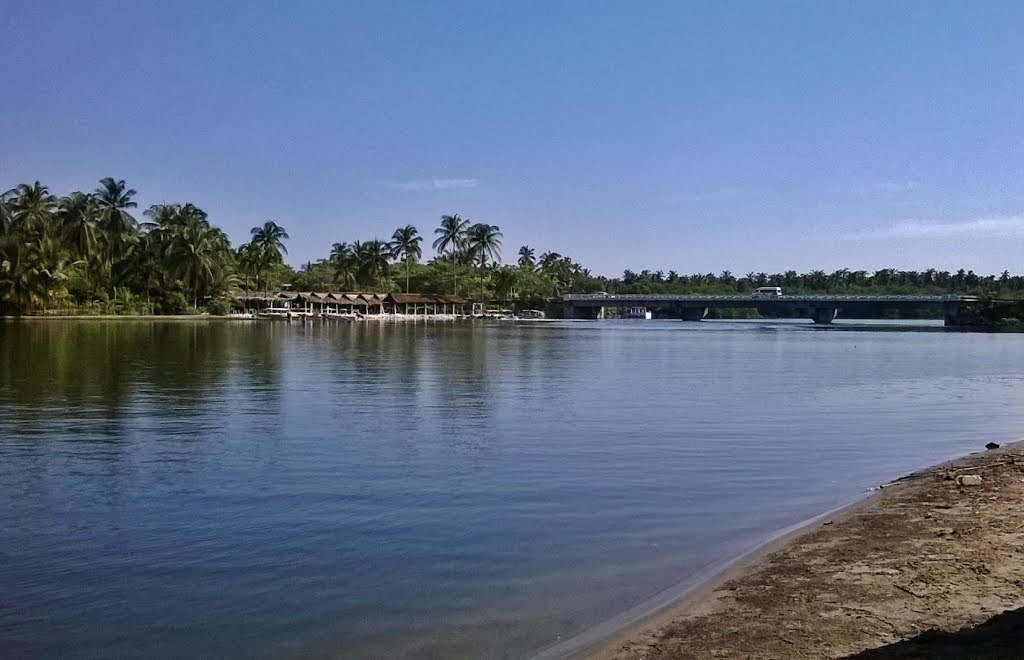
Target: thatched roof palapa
x,y
358,299
255,295
352,299
419,299
406,298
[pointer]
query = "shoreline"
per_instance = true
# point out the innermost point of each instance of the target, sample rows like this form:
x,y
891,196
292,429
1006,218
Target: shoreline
x,y
128,317
595,642
219,317
705,605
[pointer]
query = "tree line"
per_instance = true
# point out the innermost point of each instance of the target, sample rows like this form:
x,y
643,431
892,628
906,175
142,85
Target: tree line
x,y
883,281
467,262
92,253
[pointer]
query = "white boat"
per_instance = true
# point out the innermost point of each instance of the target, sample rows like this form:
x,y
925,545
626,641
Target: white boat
x,y
532,314
637,313
343,316
283,313
502,314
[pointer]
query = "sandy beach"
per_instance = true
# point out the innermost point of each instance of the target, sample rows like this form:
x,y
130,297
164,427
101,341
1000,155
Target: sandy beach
x,y
930,566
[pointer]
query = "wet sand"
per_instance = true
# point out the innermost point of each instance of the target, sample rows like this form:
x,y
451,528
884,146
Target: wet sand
x,y
928,567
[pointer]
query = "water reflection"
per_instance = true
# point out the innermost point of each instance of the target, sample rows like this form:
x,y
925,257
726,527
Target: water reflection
x,y
433,489
105,364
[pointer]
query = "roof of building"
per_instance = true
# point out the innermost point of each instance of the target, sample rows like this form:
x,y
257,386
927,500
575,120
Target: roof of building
x,y
352,298
411,299
423,299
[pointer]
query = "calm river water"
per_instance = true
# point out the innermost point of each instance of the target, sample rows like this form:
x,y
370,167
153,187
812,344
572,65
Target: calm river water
x,y
186,489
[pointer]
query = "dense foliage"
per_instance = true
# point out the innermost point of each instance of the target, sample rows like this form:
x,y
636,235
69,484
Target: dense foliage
x,y
887,280
90,253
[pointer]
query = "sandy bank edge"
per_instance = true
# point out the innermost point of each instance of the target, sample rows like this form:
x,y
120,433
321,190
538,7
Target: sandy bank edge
x,y
697,595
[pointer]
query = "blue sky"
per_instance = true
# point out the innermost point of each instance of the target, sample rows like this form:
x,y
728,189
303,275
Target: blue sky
x,y
664,135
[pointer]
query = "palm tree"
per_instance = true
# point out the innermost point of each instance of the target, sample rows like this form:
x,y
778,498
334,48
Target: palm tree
x,y
27,218
451,237
19,276
566,273
77,216
56,274
150,256
526,260
180,243
160,215
505,280
35,270
5,213
118,227
405,246
819,279
195,250
248,259
342,261
372,260
548,260
147,264
270,238
484,243
32,209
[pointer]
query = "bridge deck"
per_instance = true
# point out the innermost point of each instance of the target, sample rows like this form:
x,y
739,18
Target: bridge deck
x,y
633,298
956,309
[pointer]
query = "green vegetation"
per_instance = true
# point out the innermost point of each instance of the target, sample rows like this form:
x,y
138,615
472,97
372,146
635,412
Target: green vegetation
x,y
1002,313
844,281
87,253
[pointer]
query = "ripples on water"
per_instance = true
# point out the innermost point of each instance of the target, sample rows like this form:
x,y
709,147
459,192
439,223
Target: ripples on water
x,y
271,489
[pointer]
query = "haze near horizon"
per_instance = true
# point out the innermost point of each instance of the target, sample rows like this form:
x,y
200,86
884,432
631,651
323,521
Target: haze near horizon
x,y
692,137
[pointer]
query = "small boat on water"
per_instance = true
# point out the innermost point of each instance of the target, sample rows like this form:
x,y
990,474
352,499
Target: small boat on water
x,y
343,316
282,313
501,314
532,314
637,313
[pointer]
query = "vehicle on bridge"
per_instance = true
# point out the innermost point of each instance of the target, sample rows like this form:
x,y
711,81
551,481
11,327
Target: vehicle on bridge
x,y
822,308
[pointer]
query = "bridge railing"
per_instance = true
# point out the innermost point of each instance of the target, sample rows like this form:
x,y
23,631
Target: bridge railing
x,y
663,297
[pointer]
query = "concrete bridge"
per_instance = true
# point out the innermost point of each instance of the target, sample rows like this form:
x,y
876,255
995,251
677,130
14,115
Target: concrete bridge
x,y
956,310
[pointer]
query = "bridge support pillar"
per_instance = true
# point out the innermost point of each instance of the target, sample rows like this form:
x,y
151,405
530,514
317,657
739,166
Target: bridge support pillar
x,y
963,314
824,315
571,311
951,318
693,313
